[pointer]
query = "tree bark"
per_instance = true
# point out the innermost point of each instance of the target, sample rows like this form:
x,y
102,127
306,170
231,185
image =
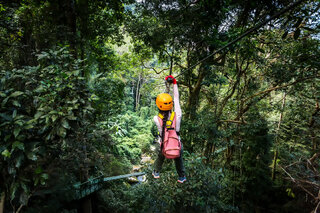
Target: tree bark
x,y
311,125
3,195
240,72
27,43
86,206
138,93
71,23
275,155
194,93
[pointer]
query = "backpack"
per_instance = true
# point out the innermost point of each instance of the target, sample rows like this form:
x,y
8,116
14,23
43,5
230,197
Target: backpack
x,y
170,145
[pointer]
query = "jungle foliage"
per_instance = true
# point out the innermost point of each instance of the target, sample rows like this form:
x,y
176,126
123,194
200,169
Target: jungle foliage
x,y
78,84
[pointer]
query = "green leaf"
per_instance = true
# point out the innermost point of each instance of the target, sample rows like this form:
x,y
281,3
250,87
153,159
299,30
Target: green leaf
x,y
16,103
65,124
38,114
13,189
19,160
39,89
18,145
53,112
38,170
45,176
2,8
5,101
12,170
36,181
24,187
19,122
6,153
48,137
54,118
14,114
16,93
6,116
42,55
23,199
43,179
30,124
72,118
32,156
16,132
62,132
2,94
290,192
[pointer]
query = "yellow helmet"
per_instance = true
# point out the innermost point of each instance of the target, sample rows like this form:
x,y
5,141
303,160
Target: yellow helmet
x,y
164,102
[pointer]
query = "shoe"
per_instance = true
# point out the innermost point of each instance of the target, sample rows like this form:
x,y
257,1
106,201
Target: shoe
x,y
155,174
182,179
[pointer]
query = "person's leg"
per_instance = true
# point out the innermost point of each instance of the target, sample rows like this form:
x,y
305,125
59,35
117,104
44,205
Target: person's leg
x,y
179,164
159,161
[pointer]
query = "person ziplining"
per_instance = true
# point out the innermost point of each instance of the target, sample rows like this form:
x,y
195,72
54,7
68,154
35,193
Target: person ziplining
x,y
170,145
168,125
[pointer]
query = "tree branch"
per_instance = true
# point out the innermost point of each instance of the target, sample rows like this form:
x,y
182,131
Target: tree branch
x,y
280,87
180,65
316,209
157,72
314,157
233,89
233,121
294,180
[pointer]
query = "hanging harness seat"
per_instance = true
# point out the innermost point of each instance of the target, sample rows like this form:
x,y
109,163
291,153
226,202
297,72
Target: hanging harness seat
x,y
170,144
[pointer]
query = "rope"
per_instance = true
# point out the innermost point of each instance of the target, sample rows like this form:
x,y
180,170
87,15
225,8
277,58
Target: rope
x,y
284,10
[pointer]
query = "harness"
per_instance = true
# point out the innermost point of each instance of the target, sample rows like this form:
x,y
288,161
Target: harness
x,y
168,125
170,145
169,122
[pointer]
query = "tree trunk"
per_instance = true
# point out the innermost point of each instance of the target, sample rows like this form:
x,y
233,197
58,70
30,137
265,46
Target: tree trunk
x,y
2,202
275,154
86,206
193,99
82,11
138,93
274,166
71,22
27,44
311,128
213,148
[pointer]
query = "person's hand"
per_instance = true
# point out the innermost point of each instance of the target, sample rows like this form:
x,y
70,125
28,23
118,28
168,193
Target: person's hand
x,y
174,81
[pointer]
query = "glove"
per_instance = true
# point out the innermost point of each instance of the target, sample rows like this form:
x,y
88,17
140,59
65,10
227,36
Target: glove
x,y
174,81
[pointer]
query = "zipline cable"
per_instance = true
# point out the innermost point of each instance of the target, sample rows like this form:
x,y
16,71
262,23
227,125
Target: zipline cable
x,y
284,10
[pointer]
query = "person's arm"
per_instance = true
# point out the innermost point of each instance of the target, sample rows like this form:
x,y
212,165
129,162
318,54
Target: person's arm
x,y
156,121
177,108
154,130
176,101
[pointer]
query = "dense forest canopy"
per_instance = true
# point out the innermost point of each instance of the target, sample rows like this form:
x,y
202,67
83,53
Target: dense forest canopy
x,y
77,97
